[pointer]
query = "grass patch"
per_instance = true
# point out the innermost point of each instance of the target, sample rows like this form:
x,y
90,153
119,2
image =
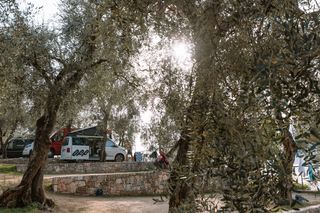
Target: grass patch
x,y
47,185
29,209
8,169
298,186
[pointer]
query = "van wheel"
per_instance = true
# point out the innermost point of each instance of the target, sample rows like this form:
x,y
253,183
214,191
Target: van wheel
x,y
30,153
50,154
119,158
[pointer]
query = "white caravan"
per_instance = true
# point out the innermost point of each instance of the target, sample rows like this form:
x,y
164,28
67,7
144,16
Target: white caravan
x,y
88,148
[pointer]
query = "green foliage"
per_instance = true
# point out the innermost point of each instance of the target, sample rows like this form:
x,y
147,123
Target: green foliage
x,y
8,169
51,65
298,186
29,209
254,69
253,72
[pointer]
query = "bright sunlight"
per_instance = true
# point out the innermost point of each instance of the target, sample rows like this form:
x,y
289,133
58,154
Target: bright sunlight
x,y
181,50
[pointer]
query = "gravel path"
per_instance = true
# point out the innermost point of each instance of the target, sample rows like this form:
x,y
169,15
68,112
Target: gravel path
x,y
69,203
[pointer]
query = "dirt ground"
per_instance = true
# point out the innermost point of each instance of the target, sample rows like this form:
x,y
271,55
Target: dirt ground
x,y
104,204
67,203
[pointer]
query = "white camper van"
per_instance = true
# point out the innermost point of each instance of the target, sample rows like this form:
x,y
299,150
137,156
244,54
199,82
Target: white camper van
x,y
88,148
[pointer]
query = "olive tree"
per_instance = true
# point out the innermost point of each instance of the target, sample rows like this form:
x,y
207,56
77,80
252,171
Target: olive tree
x,y
252,73
89,35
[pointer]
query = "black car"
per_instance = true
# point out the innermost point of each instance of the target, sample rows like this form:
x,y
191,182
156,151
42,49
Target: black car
x,y
16,146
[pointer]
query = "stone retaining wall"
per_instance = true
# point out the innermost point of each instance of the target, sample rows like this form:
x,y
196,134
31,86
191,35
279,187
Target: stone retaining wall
x,y
138,183
23,160
93,167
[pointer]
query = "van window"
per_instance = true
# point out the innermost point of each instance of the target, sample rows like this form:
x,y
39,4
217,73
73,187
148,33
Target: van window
x,y
110,143
18,144
65,142
57,136
79,141
29,141
94,140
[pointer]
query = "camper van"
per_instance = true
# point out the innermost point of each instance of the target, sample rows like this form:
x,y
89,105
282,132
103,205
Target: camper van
x,y
88,148
56,138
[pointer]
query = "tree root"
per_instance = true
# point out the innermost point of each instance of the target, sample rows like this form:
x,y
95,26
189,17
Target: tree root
x,y
20,196
16,197
49,203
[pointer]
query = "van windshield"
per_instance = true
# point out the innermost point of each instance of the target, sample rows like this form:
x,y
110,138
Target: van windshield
x,y
110,143
65,142
29,141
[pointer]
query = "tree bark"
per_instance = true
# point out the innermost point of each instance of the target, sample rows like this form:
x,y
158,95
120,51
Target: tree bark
x,y
182,197
286,185
103,153
30,188
1,141
4,151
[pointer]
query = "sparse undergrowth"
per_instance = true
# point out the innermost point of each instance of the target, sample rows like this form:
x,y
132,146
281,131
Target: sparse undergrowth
x,y
9,169
298,186
29,209
47,184
9,177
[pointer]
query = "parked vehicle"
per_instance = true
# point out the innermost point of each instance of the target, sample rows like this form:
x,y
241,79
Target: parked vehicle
x,y
16,146
56,142
27,151
57,139
88,148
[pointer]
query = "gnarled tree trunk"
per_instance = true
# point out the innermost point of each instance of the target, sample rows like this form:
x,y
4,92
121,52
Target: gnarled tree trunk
x,y
290,150
182,197
30,188
1,142
103,153
4,151
185,169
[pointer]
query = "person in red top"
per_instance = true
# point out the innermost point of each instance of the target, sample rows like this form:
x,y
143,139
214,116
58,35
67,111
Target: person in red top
x,y
163,160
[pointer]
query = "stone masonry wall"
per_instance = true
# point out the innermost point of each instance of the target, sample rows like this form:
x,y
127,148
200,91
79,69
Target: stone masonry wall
x,y
138,183
93,167
23,160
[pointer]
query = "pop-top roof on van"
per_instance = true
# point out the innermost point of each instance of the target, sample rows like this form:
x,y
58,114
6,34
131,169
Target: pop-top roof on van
x,y
89,131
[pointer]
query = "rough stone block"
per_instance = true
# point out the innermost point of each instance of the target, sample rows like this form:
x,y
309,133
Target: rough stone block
x,y
81,183
72,187
118,181
55,188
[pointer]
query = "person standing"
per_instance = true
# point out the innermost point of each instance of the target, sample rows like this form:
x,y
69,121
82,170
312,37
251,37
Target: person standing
x,y
128,147
163,160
